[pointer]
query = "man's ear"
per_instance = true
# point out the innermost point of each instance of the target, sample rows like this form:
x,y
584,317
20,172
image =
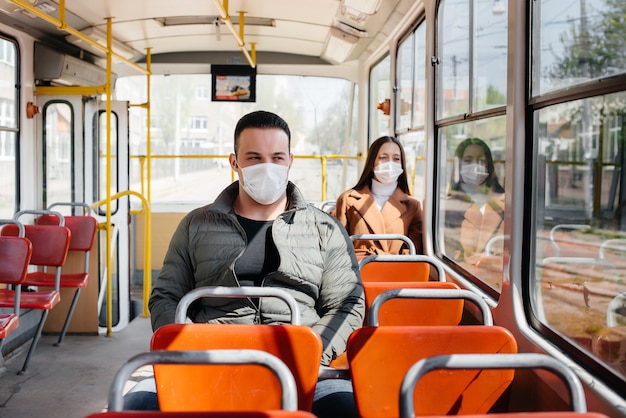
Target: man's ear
x,y
232,158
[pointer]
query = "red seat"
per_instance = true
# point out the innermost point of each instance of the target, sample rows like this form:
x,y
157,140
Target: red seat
x,y
187,388
15,255
49,250
83,231
237,361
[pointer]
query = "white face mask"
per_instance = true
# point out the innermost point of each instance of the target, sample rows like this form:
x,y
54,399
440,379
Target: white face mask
x,y
388,172
473,174
265,183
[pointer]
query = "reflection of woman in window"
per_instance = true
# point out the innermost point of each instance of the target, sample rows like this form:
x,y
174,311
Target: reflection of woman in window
x,y
380,202
475,202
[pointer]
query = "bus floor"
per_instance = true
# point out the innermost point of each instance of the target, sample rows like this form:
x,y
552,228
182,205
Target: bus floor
x,y
73,380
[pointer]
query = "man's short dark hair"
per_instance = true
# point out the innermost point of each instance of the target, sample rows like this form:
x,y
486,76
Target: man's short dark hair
x,y
261,119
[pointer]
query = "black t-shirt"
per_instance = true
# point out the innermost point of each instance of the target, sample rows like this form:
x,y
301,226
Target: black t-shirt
x,y
260,256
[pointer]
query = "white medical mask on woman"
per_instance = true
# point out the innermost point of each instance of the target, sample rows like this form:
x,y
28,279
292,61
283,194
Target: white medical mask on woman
x,y
265,183
388,172
474,174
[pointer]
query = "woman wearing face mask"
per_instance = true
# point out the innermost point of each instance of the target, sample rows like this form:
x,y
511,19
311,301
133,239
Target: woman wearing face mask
x,y
380,202
476,202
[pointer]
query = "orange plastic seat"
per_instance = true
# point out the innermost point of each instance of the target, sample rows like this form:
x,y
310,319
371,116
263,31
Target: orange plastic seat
x,y
415,311
214,414
399,268
205,388
379,357
555,414
49,250
15,253
440,294
237,360
83,231
426,367
357,238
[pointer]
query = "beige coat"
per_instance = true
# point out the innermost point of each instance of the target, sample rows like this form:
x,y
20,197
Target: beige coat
x,y
476,228
401,214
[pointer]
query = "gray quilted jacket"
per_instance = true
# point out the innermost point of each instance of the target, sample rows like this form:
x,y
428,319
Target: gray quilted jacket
x,y
317,266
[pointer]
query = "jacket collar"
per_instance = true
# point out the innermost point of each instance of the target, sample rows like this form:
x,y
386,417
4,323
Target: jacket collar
x,y
377,220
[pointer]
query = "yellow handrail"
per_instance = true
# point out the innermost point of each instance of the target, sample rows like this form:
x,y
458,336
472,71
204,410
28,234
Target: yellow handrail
x,y
61,24
323,159
147,262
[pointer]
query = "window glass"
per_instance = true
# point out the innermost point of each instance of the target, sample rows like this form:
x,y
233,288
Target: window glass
x,y
380,94
419,69
453,52
8,128
580,275
490,46
58,138
415,148
192,138
472,197
101,138
576,41
404,97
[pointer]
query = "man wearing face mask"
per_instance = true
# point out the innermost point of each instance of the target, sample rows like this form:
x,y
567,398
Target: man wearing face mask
x,y
380,202
475,202
261,232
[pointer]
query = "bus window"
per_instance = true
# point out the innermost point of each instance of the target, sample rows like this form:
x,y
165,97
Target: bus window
x,y
577,41
8,127
411,80
380,90
471,132
404,81
191,137
580,260
58,138
472,206
453,77
101,155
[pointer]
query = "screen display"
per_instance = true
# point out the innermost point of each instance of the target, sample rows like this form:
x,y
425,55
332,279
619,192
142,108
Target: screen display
x,y
233,83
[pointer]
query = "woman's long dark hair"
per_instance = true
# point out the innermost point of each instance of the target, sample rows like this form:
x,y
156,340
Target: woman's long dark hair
x,y
370,162
492,180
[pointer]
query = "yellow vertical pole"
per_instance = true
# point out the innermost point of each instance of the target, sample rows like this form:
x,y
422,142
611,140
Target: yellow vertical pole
x,y
241,29
147,273
148,141
108,184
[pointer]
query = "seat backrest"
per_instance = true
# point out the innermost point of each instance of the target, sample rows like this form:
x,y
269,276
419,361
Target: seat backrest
x,y
212,414
203,388
231,359
414,311
548,414
483,362
298,346
379,357
399,268
49,243
386,237
432,293
83,229
15,253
